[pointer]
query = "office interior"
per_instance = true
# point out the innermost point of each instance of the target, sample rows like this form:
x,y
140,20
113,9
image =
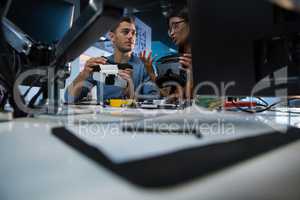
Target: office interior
x,y
222,120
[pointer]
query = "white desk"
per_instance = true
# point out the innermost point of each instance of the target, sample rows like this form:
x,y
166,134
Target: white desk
x,y
36,165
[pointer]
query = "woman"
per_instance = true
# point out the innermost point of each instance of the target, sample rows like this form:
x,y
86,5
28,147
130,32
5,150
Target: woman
x,y
179,32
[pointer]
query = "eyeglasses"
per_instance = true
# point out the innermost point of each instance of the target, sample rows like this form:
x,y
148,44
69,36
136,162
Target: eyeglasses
x,y
174,26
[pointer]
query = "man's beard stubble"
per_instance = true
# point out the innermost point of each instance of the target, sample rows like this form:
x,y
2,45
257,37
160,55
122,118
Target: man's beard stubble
x,y
124,49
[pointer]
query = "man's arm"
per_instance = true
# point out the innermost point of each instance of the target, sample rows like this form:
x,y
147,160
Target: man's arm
x,y
148,62
149,87
127,76
75,88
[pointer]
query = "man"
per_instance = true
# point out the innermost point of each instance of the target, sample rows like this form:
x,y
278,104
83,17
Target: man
x,y
123,38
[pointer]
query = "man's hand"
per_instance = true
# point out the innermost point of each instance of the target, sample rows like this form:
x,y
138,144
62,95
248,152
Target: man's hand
x,y
89,65
127,76
148,61
76,87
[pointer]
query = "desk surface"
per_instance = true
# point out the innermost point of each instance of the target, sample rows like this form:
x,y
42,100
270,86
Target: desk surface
x,y
35,165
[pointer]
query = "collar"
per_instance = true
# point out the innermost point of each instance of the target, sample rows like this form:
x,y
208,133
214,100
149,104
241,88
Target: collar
x,y
111,58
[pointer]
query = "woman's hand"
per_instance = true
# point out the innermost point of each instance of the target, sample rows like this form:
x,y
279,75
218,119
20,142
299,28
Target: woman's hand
x,y
186,61
187,64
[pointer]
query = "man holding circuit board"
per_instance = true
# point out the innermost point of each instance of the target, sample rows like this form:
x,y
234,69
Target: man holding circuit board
x,y
120,76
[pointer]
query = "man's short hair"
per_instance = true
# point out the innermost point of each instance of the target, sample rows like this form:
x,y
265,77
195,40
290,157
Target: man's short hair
x,y
123,19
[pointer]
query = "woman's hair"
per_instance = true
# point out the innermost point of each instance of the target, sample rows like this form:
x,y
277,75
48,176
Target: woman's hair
x,y
179,12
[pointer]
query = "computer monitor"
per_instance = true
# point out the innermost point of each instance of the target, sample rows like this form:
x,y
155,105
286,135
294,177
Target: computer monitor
x,y
44,21
244,48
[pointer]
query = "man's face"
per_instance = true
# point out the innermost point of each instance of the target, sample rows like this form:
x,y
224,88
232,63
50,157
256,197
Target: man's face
x,y
124,37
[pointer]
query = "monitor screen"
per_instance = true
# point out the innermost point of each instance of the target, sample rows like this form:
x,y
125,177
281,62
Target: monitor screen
x,y
236,44
44,21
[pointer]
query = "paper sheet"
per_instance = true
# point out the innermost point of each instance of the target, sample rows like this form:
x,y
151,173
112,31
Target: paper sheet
x,y
125,146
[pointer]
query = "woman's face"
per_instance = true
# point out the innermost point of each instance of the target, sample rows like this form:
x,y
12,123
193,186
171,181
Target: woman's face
x,y
178,30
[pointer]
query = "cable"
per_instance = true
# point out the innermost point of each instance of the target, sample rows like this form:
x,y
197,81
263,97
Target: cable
x,y
256,111
293,98
267,106
262,100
